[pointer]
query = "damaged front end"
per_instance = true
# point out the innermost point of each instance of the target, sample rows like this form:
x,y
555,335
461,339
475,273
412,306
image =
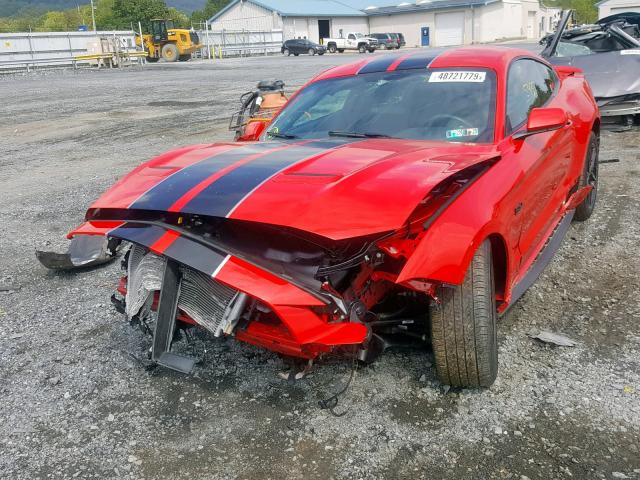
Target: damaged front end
x,y
296,293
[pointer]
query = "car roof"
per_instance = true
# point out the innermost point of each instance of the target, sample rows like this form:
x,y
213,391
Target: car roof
x,y
493,57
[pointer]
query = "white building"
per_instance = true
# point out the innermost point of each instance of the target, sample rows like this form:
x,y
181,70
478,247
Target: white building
x,y
611,7
422,22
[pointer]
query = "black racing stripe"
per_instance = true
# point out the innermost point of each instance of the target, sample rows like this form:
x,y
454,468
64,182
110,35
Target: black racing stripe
x,y
195,255
171,189
138,233
379,64
219,198
414,62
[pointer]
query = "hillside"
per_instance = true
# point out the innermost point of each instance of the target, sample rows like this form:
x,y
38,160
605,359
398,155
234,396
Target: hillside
x,y
11,7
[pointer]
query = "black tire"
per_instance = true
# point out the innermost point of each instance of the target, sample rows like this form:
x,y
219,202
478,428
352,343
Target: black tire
x,y
286,52
589,177
296,54
170,52
362,48
311,51
320,53
332,48
341,50
184,58
152,59
371,50
463,327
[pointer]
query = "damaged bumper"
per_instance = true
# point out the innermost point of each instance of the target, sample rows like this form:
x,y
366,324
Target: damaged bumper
x,y
622,105
222,293
84,251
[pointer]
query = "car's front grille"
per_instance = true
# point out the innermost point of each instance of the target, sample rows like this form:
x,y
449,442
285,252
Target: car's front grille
x,y
210,303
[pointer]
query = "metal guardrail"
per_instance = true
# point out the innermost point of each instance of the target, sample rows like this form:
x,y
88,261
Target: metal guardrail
x,y
239,43
24,49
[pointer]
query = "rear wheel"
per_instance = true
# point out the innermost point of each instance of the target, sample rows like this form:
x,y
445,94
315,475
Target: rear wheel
x,y
362,48
286,52
589,177
332,48
463,327
170,52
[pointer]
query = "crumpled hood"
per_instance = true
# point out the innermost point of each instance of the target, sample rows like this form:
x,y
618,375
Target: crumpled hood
x,y
610,74
336,188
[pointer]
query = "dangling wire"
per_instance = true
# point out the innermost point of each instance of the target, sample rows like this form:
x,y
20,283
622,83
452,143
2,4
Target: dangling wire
x,y
331,402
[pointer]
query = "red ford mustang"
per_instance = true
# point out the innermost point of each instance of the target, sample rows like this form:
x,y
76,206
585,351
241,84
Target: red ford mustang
x,y
412,195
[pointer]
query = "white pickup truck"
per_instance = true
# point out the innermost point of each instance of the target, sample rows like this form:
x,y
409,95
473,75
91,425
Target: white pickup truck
x,y
353,41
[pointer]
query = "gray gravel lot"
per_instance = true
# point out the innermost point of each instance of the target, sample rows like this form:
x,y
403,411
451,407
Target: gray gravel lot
x,y
77,401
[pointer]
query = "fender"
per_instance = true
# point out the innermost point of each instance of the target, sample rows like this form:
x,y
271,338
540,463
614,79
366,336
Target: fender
x,y
447,247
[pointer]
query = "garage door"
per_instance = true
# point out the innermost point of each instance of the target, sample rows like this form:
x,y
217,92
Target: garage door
x,y
449,29
625,9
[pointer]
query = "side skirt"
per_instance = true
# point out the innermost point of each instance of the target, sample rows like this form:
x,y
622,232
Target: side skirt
x,y
543,259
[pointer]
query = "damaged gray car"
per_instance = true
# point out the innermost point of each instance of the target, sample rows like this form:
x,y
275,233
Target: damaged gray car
x,y
609,55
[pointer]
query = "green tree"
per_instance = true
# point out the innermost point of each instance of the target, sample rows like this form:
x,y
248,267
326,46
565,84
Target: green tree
x,y
585,11
53,22
180,20
210,9
128,12
105,18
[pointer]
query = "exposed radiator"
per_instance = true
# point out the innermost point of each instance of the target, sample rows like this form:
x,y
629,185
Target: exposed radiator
x,y
210,303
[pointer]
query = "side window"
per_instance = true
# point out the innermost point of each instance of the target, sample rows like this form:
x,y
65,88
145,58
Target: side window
x,y
352,36
530,84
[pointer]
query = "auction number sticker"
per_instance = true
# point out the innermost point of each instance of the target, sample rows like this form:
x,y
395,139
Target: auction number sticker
x,y
444,76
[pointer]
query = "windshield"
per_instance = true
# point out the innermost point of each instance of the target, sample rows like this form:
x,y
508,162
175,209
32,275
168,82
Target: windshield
x,y
455,105
359,35
568,49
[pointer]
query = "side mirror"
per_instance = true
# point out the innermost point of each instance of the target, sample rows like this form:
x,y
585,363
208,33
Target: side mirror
x,y
543,120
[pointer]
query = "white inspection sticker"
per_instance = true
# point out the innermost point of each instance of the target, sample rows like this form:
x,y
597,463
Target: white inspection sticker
x,y
457,76
462,132
635,51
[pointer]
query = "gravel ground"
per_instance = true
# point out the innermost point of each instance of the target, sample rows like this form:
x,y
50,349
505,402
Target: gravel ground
x,y
77,401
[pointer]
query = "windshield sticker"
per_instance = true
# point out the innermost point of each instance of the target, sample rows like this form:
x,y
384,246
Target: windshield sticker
x,y
477,77
462,132
634,51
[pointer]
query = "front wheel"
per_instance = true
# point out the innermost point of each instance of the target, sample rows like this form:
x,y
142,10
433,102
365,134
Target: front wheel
x,y
589,177
170,52
463,326
312,51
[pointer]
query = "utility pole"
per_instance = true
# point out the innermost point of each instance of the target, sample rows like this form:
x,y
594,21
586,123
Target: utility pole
x,y
93,16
